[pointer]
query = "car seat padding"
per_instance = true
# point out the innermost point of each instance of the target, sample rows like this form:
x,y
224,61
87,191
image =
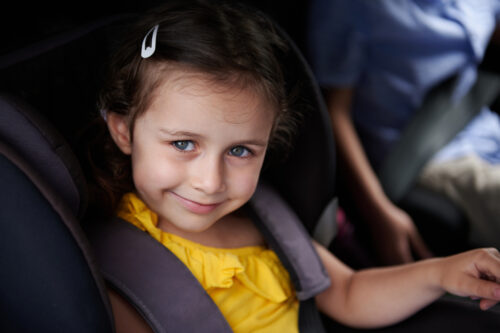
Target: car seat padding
x,y
40,145
48,282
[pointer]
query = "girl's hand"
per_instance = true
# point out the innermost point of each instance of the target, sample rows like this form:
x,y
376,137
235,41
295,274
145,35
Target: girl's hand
x,y
474,274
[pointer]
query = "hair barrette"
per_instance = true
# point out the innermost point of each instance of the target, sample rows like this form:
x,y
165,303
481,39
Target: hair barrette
x,y
147,51
104,114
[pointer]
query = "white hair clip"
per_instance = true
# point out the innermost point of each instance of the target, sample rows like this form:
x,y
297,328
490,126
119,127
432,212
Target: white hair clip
x,y
147,51
104,114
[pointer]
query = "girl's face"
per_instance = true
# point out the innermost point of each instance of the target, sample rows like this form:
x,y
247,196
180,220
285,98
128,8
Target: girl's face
x,y
197,151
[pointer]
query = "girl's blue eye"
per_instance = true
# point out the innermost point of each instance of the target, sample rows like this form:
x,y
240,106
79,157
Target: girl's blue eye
x,y
239,151
184,145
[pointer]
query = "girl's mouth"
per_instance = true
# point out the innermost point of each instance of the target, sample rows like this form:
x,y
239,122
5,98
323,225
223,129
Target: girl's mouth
x,y
195,207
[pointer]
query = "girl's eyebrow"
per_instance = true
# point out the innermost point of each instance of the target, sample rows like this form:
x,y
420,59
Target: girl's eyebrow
x,y
260,143
179,133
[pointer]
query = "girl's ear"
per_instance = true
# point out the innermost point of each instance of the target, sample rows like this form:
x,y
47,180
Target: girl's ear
x,y
118,127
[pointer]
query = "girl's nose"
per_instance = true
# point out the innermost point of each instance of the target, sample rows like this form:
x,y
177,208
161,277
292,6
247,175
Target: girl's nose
x,y
208,175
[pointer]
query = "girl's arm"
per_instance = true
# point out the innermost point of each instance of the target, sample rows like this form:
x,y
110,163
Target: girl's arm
x,y
393,231
384,296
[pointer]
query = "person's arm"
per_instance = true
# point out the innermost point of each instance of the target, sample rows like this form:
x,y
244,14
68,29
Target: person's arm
x,y
393,231
384,296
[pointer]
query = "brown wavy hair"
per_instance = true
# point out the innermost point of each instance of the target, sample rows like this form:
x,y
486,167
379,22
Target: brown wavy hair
x,y
230,44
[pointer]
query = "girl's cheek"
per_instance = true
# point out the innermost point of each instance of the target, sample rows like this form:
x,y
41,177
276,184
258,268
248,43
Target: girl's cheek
x,y
246,183
156,173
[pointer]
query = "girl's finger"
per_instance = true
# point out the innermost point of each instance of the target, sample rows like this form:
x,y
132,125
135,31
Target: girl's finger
x,y
488,264
486,304
486,290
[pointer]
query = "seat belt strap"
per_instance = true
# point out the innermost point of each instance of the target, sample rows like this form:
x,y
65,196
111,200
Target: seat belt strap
x,y
435,124
140,268
287,236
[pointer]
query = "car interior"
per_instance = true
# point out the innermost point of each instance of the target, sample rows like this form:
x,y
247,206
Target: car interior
x,y
50,74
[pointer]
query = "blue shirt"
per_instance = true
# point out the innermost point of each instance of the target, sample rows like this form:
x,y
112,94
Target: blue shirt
x,y
392,52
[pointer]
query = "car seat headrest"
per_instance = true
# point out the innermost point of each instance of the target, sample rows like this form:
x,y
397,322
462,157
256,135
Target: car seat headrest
x,y
310,167
40,145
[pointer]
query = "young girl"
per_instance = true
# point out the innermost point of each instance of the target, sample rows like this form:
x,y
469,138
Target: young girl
x,y
194,100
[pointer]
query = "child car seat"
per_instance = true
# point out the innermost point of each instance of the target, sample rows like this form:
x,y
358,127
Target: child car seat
x,y
284,217
52,76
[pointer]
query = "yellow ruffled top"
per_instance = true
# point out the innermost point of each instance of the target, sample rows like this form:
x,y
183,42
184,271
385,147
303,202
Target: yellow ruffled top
x,y
249,285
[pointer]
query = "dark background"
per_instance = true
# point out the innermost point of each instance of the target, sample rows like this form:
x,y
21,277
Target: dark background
x,y
60,76
23,23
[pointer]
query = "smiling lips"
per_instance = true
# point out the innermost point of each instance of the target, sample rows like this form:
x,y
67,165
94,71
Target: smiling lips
x,y
195,207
